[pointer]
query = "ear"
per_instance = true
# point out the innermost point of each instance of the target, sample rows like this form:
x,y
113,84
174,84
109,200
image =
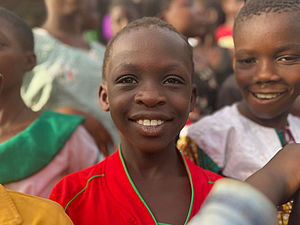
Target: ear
x,y
193,98
30,61
103,97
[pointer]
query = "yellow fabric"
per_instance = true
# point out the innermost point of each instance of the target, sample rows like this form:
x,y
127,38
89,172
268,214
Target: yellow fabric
x,y
21,209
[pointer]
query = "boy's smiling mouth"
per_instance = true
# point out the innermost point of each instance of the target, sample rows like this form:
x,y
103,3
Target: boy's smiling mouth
x,y
147,122
267,96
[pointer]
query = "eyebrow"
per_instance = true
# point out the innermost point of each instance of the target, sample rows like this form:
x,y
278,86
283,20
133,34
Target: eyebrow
x,y
280,49
288,47
137,67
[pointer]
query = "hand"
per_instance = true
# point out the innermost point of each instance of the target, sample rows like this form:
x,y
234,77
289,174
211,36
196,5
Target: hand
x,y
95,128
101,136
279,179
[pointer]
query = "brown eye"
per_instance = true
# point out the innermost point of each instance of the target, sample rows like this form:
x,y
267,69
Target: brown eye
x,y
173,79
246,61
289,59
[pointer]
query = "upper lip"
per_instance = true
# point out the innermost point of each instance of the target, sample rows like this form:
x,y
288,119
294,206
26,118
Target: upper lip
x,y
150,116
268,92
268,88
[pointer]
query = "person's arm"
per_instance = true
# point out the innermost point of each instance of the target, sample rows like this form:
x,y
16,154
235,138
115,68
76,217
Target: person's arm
x,y
101,136
279,179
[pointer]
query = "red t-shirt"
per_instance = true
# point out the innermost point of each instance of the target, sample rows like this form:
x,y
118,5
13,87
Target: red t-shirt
x,y
104,194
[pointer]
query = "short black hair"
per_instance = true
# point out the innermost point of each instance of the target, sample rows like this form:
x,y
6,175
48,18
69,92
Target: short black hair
x,y
21,29
258,7
145,22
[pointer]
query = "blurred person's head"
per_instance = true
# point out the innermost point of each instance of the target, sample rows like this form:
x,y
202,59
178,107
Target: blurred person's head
x,y
122,12
91,15
182,14
16,50
231,7
211,13
65,7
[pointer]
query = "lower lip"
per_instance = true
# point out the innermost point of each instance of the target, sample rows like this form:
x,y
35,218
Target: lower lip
x,y
150,131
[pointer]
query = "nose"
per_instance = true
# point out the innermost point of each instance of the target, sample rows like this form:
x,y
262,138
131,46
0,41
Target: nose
x,y
266,72
150,95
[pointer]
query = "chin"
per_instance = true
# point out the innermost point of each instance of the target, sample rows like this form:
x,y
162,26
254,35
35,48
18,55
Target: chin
x,y
268,115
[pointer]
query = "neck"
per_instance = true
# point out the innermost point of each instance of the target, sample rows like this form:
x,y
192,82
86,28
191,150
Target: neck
x,y
68,30
13,111
279,122
152,165
230,21
66,25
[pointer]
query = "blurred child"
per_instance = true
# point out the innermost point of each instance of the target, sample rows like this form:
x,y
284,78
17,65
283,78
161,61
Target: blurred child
x,y
242,138
122,12
224,31
36,150
147,73
181,14
66,76
212,63
91,21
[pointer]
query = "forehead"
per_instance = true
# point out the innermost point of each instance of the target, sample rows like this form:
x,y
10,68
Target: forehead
x,y
152,48
269,29
7,29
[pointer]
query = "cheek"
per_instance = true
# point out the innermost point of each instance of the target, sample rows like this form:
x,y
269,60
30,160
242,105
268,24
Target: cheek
x,y
9,64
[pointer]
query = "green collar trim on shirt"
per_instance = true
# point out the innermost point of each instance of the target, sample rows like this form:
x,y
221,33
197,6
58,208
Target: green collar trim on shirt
x,y
281,138
31,150
141,198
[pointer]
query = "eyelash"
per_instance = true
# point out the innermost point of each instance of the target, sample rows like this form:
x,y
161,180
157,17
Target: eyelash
x,y
246,61
131,79
288,59
127,79
174,80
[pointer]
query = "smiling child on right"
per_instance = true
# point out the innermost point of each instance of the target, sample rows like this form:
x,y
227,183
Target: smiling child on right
x,y
243,137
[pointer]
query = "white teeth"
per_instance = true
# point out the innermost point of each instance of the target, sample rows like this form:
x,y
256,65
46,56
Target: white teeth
x,y
150,122
266,96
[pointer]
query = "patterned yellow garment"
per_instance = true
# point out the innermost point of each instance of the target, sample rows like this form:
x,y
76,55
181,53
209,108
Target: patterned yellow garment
x,y
284,212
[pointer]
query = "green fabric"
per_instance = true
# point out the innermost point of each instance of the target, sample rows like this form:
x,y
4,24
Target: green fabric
x,y
91,36
281,138
31,150
206,162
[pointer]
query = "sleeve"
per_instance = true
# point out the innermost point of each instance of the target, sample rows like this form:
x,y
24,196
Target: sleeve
x,y
82,149
54,214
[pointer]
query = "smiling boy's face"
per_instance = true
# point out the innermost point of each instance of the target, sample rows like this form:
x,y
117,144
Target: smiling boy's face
x,y
267,63
148,88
